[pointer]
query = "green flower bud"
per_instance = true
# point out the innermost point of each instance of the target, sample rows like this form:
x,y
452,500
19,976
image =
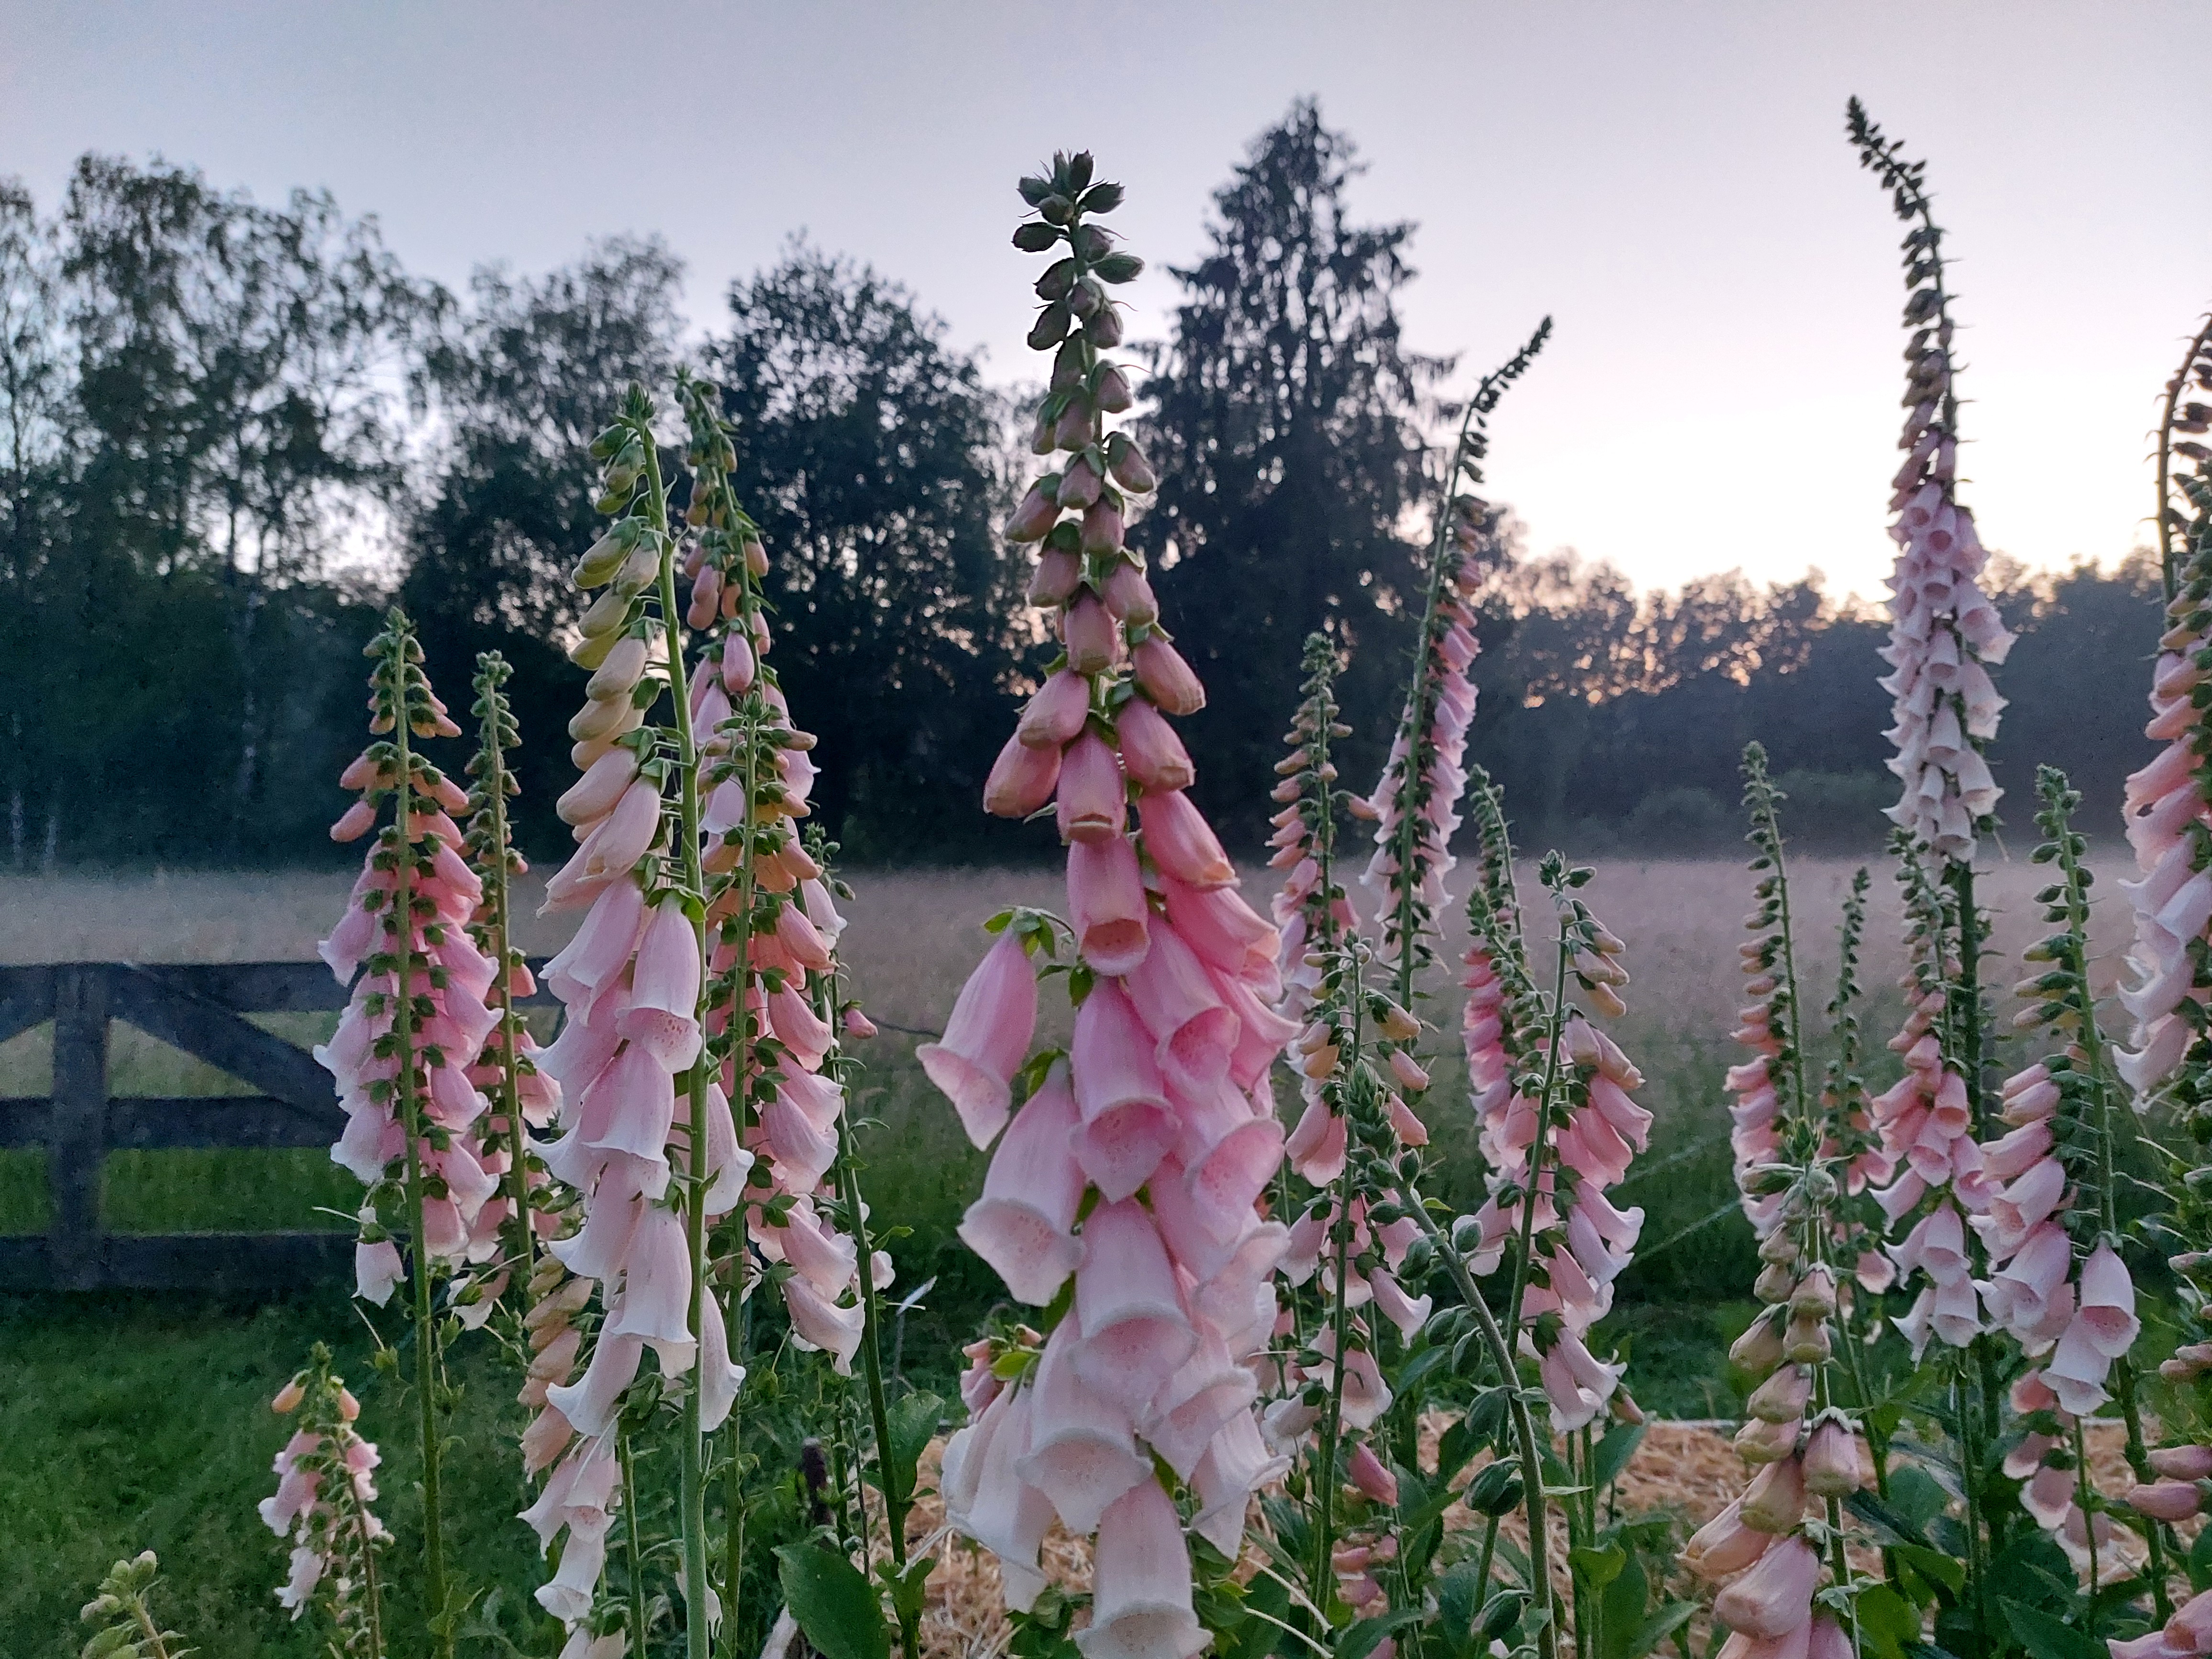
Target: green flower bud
x,y
1118,268
1056,209
1051,327
1101,199
1034,238
1058,279
1034,190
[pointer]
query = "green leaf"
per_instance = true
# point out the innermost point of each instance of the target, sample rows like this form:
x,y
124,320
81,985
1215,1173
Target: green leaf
x,y
2047,1638
1887,1622
1621,1606
910,1590
1613,1452
1933,1565
833,1603
1359,1640
1888,1525
1915,1494
911,1422
1457,1593
2200,1562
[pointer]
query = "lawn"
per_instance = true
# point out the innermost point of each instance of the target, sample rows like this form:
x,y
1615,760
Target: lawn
x,y
134,1422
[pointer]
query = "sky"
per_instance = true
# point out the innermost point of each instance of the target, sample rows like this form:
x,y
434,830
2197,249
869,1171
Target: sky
x,y
1667,179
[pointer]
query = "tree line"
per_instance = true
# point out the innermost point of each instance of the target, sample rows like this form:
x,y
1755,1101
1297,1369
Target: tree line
x,y
229,431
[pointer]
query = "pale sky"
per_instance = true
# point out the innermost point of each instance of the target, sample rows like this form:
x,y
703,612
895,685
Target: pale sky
x,y
1669,179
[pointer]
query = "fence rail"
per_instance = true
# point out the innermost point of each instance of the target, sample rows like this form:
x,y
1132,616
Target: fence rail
x,y
201,1009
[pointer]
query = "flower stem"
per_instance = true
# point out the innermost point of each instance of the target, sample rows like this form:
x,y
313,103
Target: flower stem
x,y
411,1116
692,1449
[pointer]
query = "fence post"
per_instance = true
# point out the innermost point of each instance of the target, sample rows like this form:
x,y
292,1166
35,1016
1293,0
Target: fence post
x,y
76,1136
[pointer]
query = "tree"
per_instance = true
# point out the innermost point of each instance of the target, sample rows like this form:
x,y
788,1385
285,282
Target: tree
x,y
866,450
1284,419
522,381
234,383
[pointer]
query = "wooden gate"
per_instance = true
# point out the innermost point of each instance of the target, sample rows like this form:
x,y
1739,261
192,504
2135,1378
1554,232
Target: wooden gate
x,y
200,1009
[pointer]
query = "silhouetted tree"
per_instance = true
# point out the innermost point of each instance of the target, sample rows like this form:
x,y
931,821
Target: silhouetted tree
x,y
1283,419
523,380
866,450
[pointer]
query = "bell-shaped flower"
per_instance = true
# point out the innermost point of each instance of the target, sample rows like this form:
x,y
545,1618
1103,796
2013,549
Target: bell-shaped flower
x,y
1774,1595
1136,1334
1141,1596
1023,1223
1082,1451
986,1038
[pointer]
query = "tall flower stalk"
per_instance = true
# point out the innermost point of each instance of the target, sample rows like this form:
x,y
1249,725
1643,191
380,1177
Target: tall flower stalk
x,y
520,1097
411,1030
1121,1199
648,1144
2168,804
2052,1225
325,1484
1416,802
1944,632
1770,1547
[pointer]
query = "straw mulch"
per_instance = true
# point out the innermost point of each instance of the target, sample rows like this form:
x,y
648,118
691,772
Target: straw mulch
x,y
1688,1470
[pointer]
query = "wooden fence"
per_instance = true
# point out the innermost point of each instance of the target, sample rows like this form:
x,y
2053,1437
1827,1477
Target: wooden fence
x,y
201,1010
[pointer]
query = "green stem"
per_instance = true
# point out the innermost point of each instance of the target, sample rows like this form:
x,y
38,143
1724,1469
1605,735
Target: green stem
x,y
1554,1035
411,1116
896,1503
517,1143
692,1449
634,1546
1531,1465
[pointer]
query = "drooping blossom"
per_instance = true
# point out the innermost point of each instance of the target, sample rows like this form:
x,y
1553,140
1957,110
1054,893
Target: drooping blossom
x,y
1945,635
325,1482
1157,1118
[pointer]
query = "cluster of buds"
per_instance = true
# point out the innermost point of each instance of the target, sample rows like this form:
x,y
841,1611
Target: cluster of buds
x,y
772,924
1770,1088
1944,632
1568,1130
1136,1161
1768,1547
404,1050
1310,911
1924,1122
518,1096
325,1484
2167,806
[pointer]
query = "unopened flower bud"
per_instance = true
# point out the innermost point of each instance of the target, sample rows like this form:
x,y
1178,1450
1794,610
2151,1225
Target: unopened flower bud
x,y
1038,512
1055,579
1129,467
1167,679
288,1398
1129,597
1089,636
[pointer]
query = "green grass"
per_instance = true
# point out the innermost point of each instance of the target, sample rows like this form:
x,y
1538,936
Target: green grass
x,y
136,1422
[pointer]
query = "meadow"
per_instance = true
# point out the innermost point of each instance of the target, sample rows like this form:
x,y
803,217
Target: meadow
x,y
141,1421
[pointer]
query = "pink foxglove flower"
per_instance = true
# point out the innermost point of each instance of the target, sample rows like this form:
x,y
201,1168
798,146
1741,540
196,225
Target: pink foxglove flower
x,y
325,1484
1157,1128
